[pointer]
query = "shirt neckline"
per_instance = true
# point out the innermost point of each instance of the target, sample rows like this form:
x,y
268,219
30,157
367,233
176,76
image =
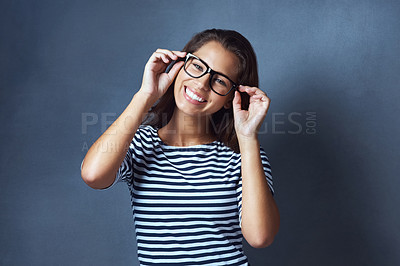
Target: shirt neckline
x,y
205,145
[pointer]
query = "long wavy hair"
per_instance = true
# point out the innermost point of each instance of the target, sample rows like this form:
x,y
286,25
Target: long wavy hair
x,y
222,122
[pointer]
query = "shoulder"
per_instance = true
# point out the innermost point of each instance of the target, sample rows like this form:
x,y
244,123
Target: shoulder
x,y
224,151
146,130
145,134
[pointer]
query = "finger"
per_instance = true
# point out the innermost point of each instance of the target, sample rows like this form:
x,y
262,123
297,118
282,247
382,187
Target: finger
x,y
165,57
251,90
256,97
261,95
175,69
180,53
162,56
262,98
265,99
237,101
169,53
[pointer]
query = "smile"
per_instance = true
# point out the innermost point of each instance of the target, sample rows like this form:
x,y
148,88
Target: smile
x,y
194,97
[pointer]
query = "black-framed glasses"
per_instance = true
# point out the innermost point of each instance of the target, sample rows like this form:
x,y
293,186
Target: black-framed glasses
x,y
219,83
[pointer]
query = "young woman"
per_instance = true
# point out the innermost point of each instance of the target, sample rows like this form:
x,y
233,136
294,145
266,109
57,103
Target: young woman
x,y
198,178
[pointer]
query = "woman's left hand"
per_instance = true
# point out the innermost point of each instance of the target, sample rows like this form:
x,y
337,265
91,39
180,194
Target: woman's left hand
x,y
248,122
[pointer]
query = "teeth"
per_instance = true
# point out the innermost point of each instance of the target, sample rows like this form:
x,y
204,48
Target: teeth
x,y
194,96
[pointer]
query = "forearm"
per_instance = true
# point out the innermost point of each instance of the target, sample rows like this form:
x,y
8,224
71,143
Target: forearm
x,y
105,156
260,215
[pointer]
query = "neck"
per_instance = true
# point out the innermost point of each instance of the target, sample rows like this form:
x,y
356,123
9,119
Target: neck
x,y
185,130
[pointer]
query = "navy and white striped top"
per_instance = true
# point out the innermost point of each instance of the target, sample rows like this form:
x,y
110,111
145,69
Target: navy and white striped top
x,y
186,201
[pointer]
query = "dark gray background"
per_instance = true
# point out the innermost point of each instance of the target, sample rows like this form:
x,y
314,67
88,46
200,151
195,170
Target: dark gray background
x,y
337,189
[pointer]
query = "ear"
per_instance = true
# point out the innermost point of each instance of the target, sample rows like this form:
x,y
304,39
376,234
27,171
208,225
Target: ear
x,y
228,105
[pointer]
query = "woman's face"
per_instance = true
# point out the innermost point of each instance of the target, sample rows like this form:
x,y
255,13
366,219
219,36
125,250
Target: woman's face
x,y
193,96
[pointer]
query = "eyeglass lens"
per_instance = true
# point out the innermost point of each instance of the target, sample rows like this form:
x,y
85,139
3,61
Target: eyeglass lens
x,y
219,83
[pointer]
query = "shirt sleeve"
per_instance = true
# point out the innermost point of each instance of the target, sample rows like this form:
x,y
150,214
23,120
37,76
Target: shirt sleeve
x,y
267,170
268,176
125,170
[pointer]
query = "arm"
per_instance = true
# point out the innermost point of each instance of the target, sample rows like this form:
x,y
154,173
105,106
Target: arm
x,y
260,215
102,161
105,156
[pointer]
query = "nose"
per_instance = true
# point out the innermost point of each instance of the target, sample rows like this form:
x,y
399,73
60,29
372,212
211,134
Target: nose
x,y
204,82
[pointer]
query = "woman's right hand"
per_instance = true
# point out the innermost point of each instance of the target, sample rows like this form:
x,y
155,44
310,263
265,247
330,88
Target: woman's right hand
x,y
155,81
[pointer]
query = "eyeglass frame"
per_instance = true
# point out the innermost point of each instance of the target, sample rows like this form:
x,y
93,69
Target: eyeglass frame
x,y
212,73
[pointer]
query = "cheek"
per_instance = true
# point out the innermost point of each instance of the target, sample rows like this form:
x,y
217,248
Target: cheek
x,y
179,80
180,76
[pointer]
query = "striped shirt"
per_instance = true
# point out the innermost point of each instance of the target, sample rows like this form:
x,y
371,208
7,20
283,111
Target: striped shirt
x,y
186,201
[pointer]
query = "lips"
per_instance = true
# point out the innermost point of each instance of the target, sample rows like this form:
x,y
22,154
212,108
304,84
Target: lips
x,y
193,97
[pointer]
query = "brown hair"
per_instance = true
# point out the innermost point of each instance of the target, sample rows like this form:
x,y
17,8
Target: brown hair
x,y
222,122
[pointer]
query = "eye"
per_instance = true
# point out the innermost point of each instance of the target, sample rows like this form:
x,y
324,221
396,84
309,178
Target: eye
x,y
220,81
198,67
